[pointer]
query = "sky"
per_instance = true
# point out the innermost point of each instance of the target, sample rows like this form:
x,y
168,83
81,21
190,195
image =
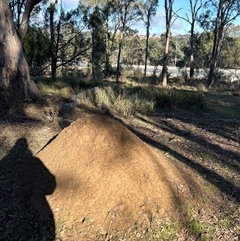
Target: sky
x,y
179,26
158,23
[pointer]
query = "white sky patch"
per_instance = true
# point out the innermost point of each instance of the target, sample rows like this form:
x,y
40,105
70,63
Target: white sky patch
x,y
69,3
159,19
177,27
158,24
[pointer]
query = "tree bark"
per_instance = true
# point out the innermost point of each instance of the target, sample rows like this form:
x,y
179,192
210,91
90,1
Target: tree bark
x,y
164,73
119,55
168,5
146,49
192,65
218,38
25,19
118,60
53,45
15,81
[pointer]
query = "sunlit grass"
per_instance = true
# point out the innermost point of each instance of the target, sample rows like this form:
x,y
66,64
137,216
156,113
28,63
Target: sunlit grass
x,y
57,89
122,102
136,95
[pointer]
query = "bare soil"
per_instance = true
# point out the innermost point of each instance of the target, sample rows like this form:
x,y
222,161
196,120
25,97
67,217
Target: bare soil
x,y
116,178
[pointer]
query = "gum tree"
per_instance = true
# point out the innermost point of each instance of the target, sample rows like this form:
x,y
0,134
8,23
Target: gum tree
x,y
149,9
127,14
224,12
195,7
15,82
168,5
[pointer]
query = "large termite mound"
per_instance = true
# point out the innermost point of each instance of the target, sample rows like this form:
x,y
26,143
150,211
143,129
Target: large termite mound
x,y
107,177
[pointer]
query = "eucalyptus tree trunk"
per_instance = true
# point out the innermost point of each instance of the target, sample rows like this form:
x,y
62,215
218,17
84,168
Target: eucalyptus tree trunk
x,y
192,65
52,7
168,5
149,9
15,81
218,38
119,57
195,6
146,50
213,63
164,73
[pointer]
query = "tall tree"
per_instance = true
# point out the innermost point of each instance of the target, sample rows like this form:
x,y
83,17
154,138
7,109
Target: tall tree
x,y
69,40
225,12
195,6
96,23
52,9
149,9
97,19
15,81
127,14
109,11
168,5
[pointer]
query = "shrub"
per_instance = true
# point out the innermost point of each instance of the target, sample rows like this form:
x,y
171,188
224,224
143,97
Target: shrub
x,y
180,99
124,102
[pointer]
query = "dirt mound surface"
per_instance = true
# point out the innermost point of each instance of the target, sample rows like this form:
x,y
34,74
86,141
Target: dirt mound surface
x,y
108,178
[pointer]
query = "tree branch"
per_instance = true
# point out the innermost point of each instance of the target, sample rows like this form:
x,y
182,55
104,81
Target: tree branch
x,y
22,30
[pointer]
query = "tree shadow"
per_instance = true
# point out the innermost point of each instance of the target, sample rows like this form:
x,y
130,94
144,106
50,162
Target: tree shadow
x,y
224,156
24,182
226,186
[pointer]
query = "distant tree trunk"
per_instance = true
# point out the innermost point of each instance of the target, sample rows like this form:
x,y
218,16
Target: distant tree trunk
x,y
195,6
53,45
192,65
94,72
107,61
164,73
15,81
97,24
128,14
119,57
168,5
149,9
146,50
218,38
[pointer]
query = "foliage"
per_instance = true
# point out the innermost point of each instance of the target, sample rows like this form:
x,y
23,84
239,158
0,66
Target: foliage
x,y
230,54
93,35
96,24
37,48
133,51
221,14
203,46
155,51
180,99
148,9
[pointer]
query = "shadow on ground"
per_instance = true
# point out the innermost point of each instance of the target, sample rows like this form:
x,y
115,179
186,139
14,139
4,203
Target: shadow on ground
x,y
24,182
192,143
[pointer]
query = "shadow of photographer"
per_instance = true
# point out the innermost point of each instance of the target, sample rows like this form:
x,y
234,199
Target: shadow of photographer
x,y
24,182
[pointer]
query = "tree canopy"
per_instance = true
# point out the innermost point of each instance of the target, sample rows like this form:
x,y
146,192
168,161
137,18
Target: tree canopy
x,y
105,35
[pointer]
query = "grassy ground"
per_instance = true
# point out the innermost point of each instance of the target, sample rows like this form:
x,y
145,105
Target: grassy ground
x,y
196,127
